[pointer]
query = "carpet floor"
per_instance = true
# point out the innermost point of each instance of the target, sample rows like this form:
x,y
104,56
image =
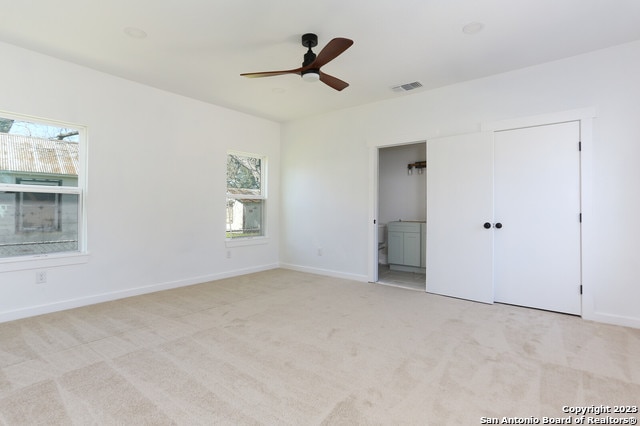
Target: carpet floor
x,y
283,347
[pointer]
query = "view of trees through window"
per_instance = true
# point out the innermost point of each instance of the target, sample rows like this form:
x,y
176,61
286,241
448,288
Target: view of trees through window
x,y
245,196
36,130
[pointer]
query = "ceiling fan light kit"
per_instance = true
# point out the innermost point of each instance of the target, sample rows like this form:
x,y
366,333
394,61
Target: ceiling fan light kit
x,y
311,76
310,70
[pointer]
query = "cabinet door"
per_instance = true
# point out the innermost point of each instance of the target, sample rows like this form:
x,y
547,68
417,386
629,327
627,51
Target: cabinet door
x,y
412,248
459,202
395,250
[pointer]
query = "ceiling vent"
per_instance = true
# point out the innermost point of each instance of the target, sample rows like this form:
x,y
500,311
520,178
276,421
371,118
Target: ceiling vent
x,y
406,87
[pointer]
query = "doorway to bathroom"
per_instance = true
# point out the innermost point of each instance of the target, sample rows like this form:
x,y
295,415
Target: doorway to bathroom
x,y
401,215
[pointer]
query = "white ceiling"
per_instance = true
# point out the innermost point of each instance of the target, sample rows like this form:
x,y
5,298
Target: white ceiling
x,y
198,48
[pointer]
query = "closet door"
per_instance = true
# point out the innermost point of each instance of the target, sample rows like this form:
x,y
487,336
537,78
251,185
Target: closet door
x,y
459,258
537,200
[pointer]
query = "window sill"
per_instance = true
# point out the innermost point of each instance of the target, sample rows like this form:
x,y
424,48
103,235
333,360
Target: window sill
x,y
251,241
42,261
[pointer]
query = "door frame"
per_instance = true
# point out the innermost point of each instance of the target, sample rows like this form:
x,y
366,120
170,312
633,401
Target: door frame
x,y
374,187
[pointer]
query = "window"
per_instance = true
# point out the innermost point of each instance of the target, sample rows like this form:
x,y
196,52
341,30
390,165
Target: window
x,y
246,195
38,211
40,187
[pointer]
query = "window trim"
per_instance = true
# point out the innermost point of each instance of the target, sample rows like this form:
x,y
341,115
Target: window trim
x,y
30,261
48,260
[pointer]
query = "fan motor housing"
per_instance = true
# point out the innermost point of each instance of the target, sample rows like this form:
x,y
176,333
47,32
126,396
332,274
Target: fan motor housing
x,y
309,57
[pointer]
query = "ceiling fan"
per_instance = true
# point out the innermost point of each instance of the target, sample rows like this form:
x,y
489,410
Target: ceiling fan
x,y
310,69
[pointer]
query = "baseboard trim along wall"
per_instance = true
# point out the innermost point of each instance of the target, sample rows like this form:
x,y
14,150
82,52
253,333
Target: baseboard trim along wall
x,y
589,314
327,272
137,291
612,319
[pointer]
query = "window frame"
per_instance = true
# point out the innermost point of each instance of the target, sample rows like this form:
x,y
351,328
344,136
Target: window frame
x,y
80,255
262,196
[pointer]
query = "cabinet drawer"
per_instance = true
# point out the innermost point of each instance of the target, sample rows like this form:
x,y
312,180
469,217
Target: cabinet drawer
x,y
403,227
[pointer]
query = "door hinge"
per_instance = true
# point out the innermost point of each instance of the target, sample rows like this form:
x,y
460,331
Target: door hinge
x,y
580,217
580,146
580,288
374,221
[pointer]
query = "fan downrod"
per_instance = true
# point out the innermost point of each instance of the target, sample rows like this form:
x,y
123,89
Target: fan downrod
x,y
309,40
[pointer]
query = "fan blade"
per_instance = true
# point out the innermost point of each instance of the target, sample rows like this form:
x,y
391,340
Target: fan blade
x,y
334,82
270,73
334,48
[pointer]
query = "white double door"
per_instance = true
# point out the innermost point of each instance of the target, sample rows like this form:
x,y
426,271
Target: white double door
x,y
503,217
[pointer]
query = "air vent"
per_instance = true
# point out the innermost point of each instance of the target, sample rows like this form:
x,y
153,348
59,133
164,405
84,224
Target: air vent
x,y
406,87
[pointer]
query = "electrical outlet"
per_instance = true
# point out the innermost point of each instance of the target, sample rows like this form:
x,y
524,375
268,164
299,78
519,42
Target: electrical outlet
x,y
41,277
228,254
319,251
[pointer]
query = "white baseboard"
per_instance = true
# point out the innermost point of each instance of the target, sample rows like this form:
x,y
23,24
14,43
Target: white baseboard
x,y
612,319
326,272
31,311
121,294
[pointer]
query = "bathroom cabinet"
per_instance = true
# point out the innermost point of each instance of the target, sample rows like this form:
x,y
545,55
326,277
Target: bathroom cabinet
x,y
405,246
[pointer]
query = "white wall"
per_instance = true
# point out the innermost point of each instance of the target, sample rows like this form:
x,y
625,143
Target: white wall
x,y
401,196
327,201
156,185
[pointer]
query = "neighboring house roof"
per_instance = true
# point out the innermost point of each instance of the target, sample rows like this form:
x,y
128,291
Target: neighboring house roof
x,y
242,191
34,155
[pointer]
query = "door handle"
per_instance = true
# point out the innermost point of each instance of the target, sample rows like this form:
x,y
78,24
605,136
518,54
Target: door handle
x,y
498,225
487,225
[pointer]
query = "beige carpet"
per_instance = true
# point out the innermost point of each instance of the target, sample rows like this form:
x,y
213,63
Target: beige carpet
x,y
288,348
